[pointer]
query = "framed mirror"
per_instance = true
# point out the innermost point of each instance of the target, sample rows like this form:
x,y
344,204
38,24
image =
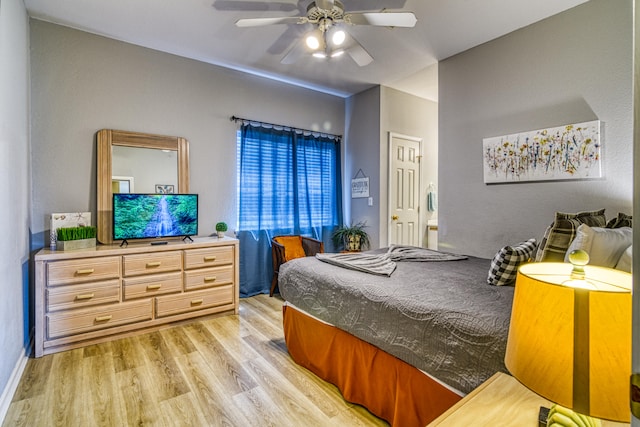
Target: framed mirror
x,y
155,163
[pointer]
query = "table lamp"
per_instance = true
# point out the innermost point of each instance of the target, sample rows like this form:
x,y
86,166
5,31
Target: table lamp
x,y
570,336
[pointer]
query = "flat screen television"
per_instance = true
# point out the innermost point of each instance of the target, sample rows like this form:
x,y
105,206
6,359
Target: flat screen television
x,y
148,216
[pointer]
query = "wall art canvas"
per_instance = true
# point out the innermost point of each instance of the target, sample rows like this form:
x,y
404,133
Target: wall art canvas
x,y
164,189
558,153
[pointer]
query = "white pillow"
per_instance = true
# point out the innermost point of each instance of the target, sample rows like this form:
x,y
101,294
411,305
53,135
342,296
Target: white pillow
x,y
624,263
604,245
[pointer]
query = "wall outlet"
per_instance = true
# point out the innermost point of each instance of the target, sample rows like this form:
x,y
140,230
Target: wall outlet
x,y
370,201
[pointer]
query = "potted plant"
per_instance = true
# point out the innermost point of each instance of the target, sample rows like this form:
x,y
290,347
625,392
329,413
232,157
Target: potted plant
x,y
69,238
352,237
221,227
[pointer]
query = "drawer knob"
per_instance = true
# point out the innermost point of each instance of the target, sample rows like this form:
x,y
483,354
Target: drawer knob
x,y
210,279
85,271
197,301
153,287
103,318
210,258
153,264
84,296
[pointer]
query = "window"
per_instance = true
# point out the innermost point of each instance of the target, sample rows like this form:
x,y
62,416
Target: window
x,y
287,181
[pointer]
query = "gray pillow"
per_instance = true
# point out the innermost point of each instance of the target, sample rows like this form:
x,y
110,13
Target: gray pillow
x,y
605,246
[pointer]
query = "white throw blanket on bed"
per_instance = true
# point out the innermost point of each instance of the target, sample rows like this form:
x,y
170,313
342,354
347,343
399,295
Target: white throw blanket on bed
x,y
384,264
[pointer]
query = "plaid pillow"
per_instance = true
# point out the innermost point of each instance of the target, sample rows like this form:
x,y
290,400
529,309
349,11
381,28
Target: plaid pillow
x,y
561,233
622,220
504,265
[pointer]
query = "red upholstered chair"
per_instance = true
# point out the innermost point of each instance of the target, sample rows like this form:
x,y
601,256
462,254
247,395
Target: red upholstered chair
x,y
286,248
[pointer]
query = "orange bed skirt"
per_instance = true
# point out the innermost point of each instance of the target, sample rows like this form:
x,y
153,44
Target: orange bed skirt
x,y
387,386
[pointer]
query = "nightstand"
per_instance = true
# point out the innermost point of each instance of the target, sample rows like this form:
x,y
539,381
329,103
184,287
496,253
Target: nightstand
x,y
499,401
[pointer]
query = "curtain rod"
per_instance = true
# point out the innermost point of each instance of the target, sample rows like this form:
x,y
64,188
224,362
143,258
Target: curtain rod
x,y
241,119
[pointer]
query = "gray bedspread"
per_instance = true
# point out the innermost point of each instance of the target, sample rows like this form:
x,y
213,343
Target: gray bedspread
x,y
441,317
384,263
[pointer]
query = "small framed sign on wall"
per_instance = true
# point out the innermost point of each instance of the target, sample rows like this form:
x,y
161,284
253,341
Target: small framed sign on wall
x,y
360,185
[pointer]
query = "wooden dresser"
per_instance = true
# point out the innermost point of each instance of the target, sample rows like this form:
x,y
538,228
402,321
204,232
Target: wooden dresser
x,y
87,296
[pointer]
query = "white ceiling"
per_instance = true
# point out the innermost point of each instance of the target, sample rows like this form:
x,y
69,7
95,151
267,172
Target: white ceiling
x,y
204,30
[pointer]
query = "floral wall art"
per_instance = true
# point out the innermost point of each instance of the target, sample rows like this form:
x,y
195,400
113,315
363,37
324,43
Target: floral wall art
x,y
558,153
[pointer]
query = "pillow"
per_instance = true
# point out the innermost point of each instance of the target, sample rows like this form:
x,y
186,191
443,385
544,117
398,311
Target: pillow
x,y
624,263
504,265
622,220
605,246
561,233
292,247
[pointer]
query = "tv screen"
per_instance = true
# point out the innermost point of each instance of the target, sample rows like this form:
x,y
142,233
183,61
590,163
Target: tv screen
x,y
146,216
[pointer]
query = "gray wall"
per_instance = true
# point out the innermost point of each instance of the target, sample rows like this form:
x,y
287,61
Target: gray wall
x,y
635,323
409,115
371,116
362,152
570,68
82,83
14,195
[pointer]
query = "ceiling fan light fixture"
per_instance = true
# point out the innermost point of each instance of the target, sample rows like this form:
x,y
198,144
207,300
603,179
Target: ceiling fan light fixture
x,y
338,37
312,42
328,38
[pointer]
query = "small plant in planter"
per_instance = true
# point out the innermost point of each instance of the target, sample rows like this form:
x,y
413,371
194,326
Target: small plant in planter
x,y
221,227
69,238
351,238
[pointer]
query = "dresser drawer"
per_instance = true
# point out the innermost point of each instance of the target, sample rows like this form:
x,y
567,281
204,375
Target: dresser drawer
x,y
208,277
82,270
135,265
193,301
83,295
208,257
78,321
157,284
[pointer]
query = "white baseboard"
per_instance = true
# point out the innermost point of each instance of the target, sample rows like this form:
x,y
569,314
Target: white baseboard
x,y
12,385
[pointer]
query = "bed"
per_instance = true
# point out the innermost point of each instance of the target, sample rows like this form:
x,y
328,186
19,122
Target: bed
x,y
406,346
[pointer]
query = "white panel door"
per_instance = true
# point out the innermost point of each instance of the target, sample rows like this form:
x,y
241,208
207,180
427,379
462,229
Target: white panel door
x,y
404,190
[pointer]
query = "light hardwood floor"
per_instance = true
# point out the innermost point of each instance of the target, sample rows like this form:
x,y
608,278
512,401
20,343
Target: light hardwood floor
x,y
219,371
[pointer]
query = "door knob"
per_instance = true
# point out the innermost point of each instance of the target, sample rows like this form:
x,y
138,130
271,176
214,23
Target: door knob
x,y
394,217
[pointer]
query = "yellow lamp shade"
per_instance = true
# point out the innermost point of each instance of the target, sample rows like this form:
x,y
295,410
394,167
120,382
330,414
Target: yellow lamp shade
x,y
570,340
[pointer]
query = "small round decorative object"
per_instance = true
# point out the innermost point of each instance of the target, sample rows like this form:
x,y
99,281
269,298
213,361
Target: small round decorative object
x,y
221,227
578,259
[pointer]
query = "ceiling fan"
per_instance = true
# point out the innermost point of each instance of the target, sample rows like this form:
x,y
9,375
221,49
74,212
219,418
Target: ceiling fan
x,y
328,39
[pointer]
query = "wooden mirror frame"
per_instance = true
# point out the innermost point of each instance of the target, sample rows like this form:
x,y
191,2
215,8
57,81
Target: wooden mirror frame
x,y
107,138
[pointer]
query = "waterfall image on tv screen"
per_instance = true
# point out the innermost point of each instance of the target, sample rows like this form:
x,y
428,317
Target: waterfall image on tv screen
x,y
141,216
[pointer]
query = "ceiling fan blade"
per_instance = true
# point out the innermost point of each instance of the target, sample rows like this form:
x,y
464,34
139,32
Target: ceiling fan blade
x,y
283,43
382,19
359,54
362,5
324,4
254,5
259,22
292,56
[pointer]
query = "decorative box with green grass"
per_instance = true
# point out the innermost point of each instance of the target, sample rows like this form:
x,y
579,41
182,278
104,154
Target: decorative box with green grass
x,y
71,238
